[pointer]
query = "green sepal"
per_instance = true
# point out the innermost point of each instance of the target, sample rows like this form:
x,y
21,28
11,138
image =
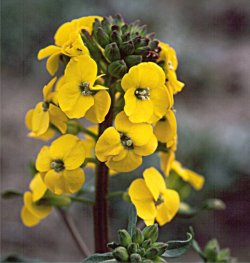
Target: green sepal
x,y
137,236
121,254
106,25
112,52
135,257
178,248
151,232
151,252
55,200
115,37
146,243
127,48
133,60
118,69
124,238
99,258
113,245
132,248
102,37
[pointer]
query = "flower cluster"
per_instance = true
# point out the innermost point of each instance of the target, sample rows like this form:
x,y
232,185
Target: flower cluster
x,y
119,76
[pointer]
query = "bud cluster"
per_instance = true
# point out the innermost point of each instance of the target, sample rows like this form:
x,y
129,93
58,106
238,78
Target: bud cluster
x,y
125,45
141,247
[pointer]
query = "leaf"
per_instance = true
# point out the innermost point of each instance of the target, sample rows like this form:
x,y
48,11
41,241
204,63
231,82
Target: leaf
x,y
106,257
18,258
132,218
8,194
177,248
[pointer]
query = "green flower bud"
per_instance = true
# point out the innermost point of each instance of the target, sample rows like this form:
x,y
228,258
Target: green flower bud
x,y
136,41
126,197
151,35
144,42
126,37
115,37
147,243
127,48
106,25
212,250
118,68
141,251
112,52
151,252
143,51
162,247
124,238
132,248
102,37
151,232
121,254
135,258
146,260
142,30
116,28
133,60
124,28
137,236
153,44
118,20
159,260
73,127
113,245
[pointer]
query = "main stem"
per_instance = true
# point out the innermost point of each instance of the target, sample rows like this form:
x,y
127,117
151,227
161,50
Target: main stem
x,y
100,209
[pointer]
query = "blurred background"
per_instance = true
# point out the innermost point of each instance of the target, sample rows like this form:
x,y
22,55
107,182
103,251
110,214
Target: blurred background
x,y
212,42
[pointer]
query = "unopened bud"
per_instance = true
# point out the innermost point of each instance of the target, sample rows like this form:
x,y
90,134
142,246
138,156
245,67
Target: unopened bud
x,y
118,68
115,37
135,257
124,28
151,252
121,254
146,260
147,243
215,204
151,232
106,25
132,248
127,48
144,42
124,238
118,20
162,247
151,35
126,198
212,249
143,51
141,251
153,44
137,236
142,30
112,52
73,127
159,260
102,37
116,28
126,36
133,60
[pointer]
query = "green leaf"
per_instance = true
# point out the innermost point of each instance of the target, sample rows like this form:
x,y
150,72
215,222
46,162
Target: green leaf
x,y
8,194
178,248
106,257
132,218
18,258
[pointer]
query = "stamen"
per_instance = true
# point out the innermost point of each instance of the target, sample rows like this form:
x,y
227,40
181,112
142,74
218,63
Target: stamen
x,y
57,165
143,94
126,141
160,200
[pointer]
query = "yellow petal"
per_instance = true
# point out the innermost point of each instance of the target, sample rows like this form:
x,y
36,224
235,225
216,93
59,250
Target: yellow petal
x,y
108,144
60,82
167,210
154,182
62,33
166,128
65,182
142,199
45,136
48,89
53,63
81,69
100,109
58,118
130,162
87,22
28,218
166,161
69,149
48,51
40,120
40,211
28,119
148,148
37,187
43,160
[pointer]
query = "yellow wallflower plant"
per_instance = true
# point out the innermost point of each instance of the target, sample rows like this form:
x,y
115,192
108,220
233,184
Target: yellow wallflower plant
x,y
68,42
152,199
60,164
122,147
79,97
38,120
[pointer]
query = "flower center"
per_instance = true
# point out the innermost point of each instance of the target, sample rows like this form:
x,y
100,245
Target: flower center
x,y
57,165
160,200
142,94
126,141
84,87
164,118
45,106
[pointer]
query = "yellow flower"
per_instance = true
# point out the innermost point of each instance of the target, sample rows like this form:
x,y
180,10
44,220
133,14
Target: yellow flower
x,y
38,120
32,213
68,42
168,163
146,97
60,164
122,147
152,199
168,57
79,97
165,129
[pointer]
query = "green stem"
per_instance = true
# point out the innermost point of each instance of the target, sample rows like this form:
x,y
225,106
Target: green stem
x,y
82,200
114,194
89,160
100,211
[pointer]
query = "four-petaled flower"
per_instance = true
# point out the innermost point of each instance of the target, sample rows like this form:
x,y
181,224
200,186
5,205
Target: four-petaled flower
x,y
79,97
122,147
152,199
60,164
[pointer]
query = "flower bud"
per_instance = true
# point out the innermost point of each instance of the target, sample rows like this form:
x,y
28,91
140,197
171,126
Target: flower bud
x,y
142,30
124,28
212,249
106,25
126,197
102,37
162,247
117,68
73,127
116,28
159,260
153,44
151,232
143,51
135,258
115,37
146,260
147,243
137,236
121,254
136,41
141,251
133,60
112,245
112,52
132,248
118,20
151,252
124,238
126,36
151,35
127,47
144,42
